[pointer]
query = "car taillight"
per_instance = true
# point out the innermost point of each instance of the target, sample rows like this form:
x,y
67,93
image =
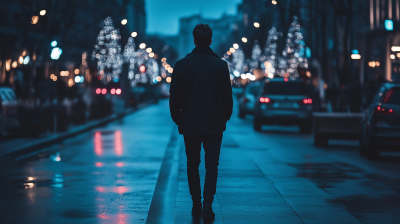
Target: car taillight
x,y
112,91
265,100
307,101
98,91
384,111
245,100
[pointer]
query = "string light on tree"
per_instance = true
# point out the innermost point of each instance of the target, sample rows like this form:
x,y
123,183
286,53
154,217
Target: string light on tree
x,y
255,55
130,57
134,34
107,52
270,58
244,39
294,52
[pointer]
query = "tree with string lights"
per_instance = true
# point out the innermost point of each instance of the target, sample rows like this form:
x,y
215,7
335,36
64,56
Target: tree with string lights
x,y
270,55
130,58
293,54
107,52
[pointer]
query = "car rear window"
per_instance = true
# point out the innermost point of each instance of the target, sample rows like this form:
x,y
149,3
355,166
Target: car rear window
x,y
253,89
392,96
285,88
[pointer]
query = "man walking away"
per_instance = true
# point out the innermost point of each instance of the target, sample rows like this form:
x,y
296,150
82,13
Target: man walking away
x,y
201,104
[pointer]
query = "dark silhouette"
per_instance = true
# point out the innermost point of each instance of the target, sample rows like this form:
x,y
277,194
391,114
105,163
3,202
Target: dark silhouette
x,y
201,104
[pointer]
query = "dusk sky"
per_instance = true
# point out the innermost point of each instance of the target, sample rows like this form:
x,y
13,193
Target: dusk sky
x,y
163,15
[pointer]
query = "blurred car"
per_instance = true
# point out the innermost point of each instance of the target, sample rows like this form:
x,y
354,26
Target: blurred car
x,y
248,99
9,123
286,102
380,128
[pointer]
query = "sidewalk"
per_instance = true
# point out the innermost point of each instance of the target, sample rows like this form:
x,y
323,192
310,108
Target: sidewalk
x,y
18,146
256,186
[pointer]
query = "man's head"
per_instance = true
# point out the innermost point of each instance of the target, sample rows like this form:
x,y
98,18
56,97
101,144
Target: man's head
x,y
202,35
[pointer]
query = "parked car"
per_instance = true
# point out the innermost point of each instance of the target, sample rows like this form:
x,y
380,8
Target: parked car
x,y
9,123
283,101
380,128
248,98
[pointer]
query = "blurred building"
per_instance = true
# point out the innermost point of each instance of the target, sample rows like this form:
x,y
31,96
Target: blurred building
x,y
381,42
223,28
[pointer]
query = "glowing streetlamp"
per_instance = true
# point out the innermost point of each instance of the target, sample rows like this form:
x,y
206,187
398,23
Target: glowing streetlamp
x,y
42,12
35,19
124,22
244,39
256,25
134,34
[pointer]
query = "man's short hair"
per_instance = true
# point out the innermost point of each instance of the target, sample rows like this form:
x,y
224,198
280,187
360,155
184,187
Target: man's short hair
x,y
202,33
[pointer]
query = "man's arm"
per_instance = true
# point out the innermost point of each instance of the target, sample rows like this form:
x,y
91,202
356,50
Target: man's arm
x,y
227,94
175,98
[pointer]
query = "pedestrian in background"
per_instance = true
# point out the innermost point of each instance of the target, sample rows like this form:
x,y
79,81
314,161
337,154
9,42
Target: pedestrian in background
x,y
201,104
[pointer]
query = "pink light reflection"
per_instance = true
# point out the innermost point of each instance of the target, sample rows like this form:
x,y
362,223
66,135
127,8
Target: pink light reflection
x,y
120,189
100,189
120,164
99,164
121,218
97,144
118,143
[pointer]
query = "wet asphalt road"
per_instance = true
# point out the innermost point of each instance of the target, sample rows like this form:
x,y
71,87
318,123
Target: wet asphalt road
x,y
134,172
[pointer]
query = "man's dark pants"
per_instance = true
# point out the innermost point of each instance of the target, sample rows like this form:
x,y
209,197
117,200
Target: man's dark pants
x,y
212,146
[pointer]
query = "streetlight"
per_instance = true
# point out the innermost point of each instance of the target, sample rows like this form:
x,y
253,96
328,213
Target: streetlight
x,y
244,39
142,45
56,53
274,2
124,22
42,12
355,54
134,34
235,45
256,25
35,19
149,50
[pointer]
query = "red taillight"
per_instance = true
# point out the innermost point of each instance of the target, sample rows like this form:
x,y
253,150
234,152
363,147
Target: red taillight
x,y
118,91
98,91
307,101
264,100
104,91
112,91
384,111
245,100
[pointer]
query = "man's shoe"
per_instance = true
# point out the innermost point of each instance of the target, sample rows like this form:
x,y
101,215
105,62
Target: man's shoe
x,y
196,209
207,211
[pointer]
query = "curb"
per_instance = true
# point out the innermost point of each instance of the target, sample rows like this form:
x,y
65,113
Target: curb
x,y
29,147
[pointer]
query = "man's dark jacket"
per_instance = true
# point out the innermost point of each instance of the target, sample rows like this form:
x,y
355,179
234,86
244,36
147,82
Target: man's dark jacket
x,y
200,93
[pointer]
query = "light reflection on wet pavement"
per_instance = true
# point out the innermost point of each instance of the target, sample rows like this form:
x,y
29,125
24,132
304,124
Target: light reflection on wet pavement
x,y
115,174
